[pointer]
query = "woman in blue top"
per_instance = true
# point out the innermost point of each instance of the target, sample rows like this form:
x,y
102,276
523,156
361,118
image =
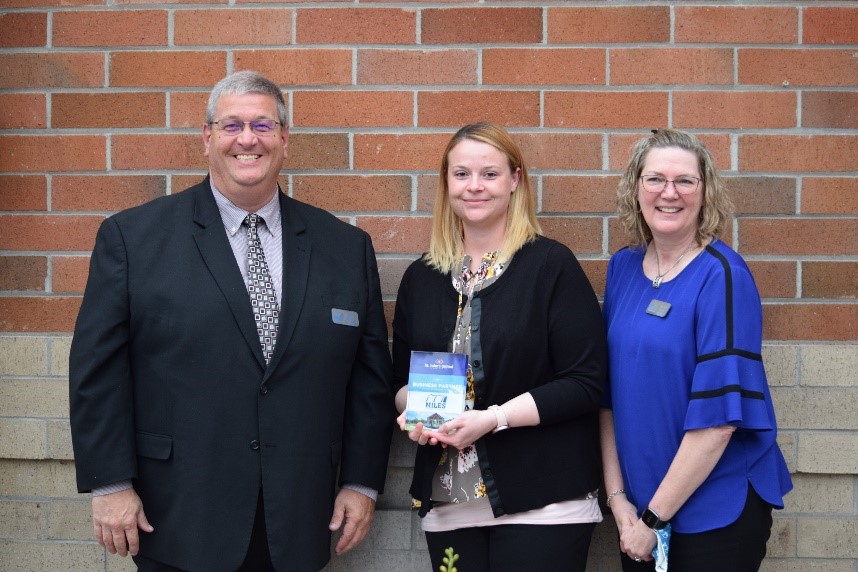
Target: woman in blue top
x,y
688,430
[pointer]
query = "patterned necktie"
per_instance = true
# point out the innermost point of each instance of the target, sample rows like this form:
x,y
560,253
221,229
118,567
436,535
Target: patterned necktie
x,y
261,289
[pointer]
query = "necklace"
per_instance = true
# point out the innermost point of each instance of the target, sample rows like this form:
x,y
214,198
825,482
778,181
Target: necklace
x,y
659,275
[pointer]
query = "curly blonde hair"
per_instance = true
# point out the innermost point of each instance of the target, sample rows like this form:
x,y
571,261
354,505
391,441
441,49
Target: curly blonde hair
x,y
716,207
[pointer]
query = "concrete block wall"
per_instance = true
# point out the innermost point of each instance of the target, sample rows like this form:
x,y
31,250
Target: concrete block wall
x,y
101,105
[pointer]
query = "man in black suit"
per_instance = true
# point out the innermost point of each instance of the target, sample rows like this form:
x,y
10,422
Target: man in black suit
x,y
193,421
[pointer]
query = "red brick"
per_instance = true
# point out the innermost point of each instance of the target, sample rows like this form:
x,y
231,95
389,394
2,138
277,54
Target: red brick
x,y
829,279
52,153
356,26
69,273
620,147
829,109
798,152
832,322
416,67
232,27
571,151
158,2
23,273
182,182
583,235
24,29
108,28
617,238
49,3
762,195
830,25
23,193
736,25
775,279
681,66
620,25
38,314
601,109
544,66
23,111
457,108
734,110
427,189
596,270
188,108
48,232
159,151
297,67
318,151
759,66
352,108
48,70
579,193
105,192
481,25
142,109
346,193
166,69
799,236
397,234
404,152
829,195
390,271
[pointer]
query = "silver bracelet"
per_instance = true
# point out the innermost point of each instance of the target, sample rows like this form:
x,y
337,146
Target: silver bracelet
x,y
613,494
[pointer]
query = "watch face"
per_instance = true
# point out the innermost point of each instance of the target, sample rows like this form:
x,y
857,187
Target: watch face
x,y
651,519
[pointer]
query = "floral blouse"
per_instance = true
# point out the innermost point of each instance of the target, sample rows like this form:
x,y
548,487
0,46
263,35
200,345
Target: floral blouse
x,y
457,478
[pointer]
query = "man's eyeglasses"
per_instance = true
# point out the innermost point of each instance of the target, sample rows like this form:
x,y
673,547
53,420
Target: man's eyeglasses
x,y
258,126
684,185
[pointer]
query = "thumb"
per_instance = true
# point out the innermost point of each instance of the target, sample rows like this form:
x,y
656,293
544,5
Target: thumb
x,y
143,522
337,517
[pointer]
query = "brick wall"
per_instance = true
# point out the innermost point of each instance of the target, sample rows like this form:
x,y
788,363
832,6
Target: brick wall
x,y
101,105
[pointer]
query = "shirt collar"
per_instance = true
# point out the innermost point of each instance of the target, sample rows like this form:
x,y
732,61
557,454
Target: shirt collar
x,y
233,216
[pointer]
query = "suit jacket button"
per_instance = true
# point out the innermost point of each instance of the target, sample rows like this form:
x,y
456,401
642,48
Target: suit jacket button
x,y
254,445
263,390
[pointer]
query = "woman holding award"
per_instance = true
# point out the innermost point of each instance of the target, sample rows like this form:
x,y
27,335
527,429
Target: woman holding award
x,y
511,482
688,434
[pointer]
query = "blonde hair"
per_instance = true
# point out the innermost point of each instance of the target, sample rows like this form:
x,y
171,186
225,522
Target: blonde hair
x,y
446,244
716,206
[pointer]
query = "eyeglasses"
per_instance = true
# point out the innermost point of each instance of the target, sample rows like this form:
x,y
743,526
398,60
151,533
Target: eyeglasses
x,y
684,185
258,126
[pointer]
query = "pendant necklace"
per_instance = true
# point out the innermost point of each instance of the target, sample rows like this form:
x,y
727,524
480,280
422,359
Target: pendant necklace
x,y
659,275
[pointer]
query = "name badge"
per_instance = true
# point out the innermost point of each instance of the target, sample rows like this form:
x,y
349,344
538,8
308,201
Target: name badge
x,y
345,317
658,308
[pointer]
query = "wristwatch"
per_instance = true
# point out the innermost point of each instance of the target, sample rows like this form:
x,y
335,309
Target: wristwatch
x,y
500,417
652,520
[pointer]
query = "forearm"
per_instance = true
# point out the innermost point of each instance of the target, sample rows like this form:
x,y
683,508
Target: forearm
x,y
521,411
698,453
610,460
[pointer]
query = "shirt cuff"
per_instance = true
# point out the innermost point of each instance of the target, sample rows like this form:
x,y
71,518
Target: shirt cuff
x,y
366,491
110,489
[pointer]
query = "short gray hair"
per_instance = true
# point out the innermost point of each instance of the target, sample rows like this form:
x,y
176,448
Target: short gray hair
x,y
244,82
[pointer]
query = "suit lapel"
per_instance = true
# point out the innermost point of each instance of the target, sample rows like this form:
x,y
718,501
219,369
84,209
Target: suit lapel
x,y
296,270
216,252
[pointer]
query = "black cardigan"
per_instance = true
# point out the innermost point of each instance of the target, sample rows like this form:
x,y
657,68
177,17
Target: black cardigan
x,y
538,328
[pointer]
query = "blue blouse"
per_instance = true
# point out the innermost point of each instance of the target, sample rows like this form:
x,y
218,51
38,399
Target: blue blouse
x,y
699,366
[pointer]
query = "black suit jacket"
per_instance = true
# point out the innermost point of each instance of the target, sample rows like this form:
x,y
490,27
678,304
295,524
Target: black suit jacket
x,y
168,385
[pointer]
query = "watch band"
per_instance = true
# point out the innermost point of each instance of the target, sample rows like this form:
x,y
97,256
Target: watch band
x,y
501,418
652,520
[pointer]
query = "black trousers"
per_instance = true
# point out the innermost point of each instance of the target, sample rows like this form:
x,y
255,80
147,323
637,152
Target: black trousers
x,y
515,547
738,547
258,559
